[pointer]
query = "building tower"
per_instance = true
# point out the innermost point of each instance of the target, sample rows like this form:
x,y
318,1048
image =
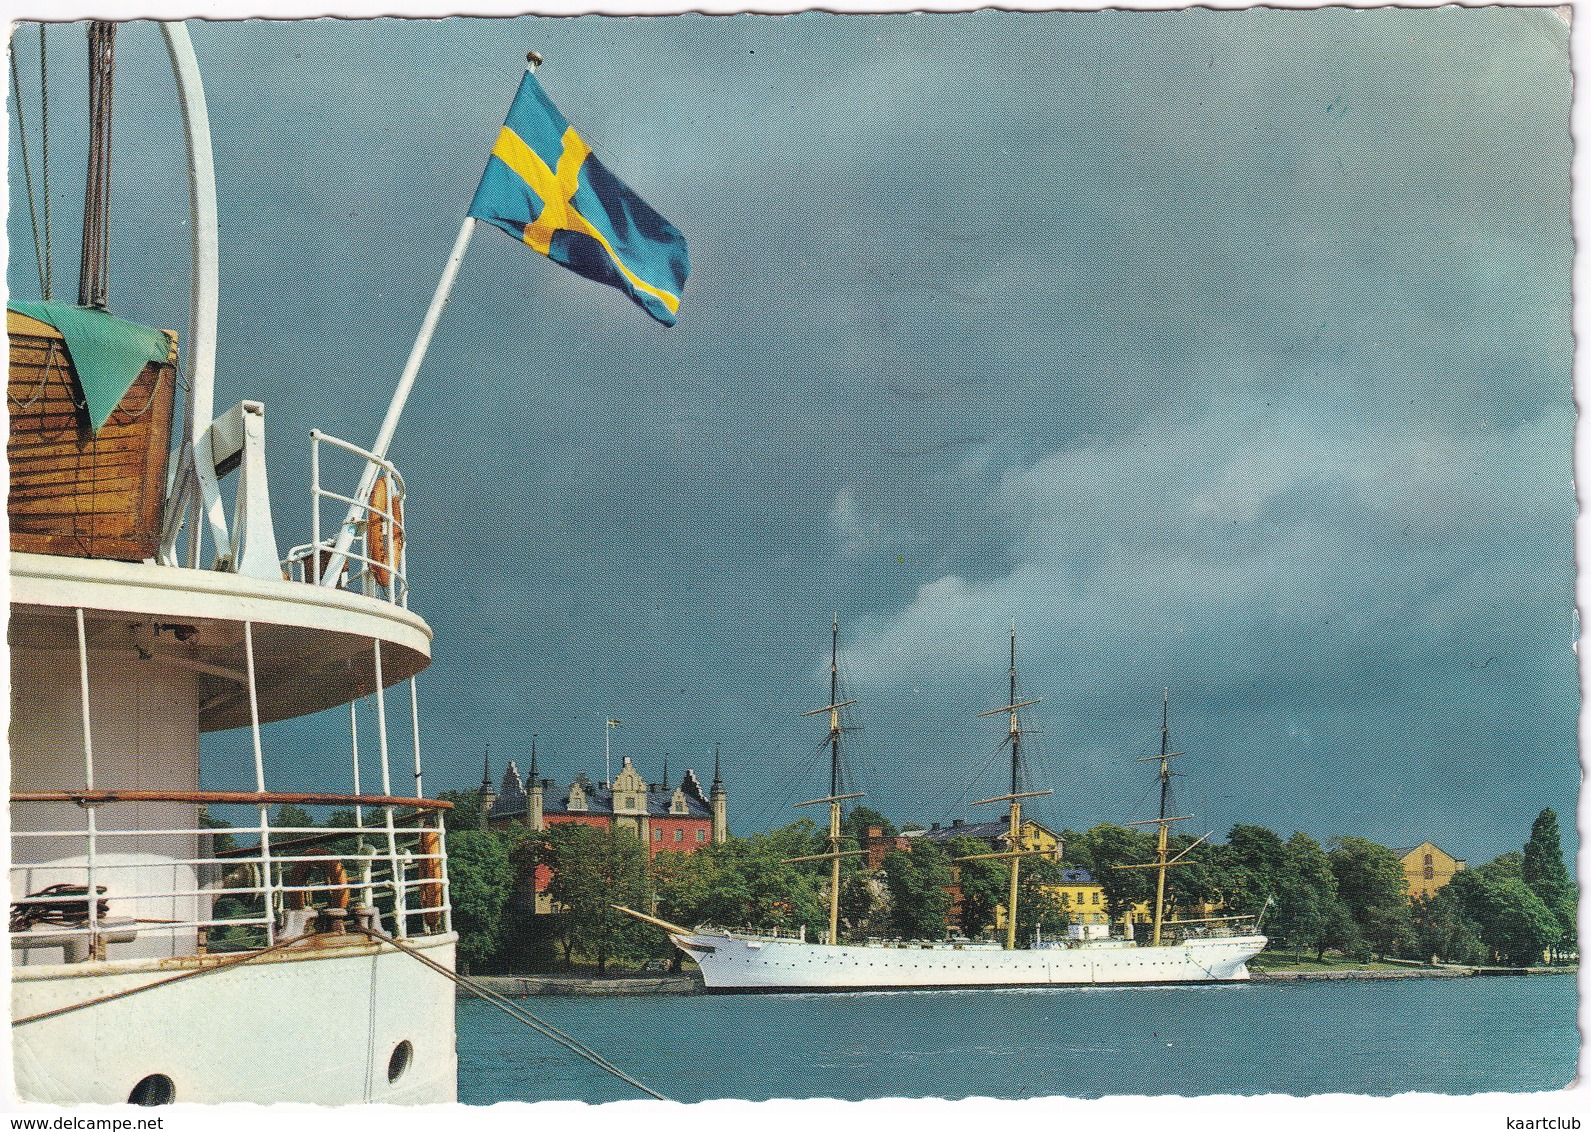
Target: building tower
x,y
533,802
487,796
720,803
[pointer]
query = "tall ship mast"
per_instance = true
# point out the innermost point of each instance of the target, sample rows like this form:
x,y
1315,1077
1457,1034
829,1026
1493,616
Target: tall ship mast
x,y
259,942
740,961
1163,859
835,799
1014,851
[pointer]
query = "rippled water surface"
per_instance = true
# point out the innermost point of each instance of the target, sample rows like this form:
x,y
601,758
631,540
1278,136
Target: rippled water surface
x,y
1375,1037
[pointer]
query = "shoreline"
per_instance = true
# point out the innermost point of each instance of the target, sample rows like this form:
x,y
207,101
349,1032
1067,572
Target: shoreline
x,y
535,986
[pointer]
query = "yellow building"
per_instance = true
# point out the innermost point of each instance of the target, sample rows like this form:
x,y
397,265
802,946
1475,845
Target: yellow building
x,y
1034,837
1426,868
1081,896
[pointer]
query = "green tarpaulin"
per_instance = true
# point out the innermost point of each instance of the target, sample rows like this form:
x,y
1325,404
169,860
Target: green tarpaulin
x,y
107,352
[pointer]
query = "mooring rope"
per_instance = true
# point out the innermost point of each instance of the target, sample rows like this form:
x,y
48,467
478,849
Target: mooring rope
x,y
104,998
27,173
574,1045
487,994
44,158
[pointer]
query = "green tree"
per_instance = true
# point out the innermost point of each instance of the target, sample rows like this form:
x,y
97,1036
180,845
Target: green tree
x,y
1039,910
857,903
1514,922
1304,890
480,882
1249,867
289,816
219,842
1370,881
1338,931
919,904
984,884
1196,877
748,881
1544,873
466,811
1105,846
592,870
856,823
1444,930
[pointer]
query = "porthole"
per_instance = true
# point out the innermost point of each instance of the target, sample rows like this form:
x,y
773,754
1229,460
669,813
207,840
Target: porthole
x,y
154,1089
402,1054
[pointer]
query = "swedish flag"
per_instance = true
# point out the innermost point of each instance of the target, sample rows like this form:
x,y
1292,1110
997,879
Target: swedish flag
x,y
543,185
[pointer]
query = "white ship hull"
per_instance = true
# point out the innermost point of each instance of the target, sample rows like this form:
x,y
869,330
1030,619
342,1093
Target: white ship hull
x,y
734,963
319,1025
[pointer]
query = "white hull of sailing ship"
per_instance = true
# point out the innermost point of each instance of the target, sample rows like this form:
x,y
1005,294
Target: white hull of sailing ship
x,y
749,962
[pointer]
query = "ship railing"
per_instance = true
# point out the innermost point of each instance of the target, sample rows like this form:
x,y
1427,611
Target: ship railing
x,y
374,560
197,886
799,934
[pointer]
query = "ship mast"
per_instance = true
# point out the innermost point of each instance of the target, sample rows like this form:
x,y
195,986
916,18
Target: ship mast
x,y
1163,860
835,797
1014,816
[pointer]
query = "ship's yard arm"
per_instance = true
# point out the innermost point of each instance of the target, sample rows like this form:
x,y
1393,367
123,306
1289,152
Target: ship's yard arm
x,y
1014,817
835,797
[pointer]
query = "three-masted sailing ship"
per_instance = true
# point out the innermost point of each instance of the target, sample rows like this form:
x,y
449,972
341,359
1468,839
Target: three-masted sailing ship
x,y
752,960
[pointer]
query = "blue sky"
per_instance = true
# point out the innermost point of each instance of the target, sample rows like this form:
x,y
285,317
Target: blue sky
x,y
1225,352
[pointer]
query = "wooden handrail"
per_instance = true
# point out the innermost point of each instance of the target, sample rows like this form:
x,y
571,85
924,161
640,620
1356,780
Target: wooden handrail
x,y
289,847
225,797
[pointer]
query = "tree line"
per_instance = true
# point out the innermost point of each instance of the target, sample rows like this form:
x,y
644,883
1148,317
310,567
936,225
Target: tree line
x,y
1348,896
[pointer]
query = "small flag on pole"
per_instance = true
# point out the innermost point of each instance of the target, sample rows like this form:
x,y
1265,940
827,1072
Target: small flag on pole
x,y
613,723
544,186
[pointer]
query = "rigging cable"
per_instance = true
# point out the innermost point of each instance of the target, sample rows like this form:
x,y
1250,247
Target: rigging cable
x,y
221,966
487,994
93,270
44,145
27,174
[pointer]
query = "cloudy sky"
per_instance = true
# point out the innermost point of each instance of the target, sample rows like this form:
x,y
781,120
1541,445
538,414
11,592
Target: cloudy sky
x,y
1224,352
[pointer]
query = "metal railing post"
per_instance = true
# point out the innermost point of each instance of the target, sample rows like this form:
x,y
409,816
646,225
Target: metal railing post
x,y
88,781
414,725
400,895
266,879
314,502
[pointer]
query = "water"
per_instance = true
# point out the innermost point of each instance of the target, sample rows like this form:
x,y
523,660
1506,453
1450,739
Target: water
x,y
1370,1037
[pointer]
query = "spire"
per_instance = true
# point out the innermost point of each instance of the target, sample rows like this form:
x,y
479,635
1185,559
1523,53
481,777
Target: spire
x,y
665,772
719,804
533,758
486,798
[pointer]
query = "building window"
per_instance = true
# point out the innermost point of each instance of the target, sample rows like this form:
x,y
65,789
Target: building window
x,y
1430,873
657,835
1095,899
679,835
701,835
1427,860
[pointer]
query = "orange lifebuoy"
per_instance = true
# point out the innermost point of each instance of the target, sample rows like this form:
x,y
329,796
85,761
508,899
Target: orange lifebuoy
x,y
430,886
336,890
386,549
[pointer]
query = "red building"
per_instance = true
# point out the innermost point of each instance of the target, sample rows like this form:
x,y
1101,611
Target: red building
x,y
681,819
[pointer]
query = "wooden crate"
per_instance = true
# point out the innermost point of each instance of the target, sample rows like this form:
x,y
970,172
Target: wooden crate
x,y
75,493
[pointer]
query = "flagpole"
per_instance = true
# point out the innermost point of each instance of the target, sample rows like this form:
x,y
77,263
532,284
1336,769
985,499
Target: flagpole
x,y
332,571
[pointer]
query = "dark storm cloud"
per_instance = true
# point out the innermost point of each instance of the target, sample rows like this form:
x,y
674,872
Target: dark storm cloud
x,y
1227,351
